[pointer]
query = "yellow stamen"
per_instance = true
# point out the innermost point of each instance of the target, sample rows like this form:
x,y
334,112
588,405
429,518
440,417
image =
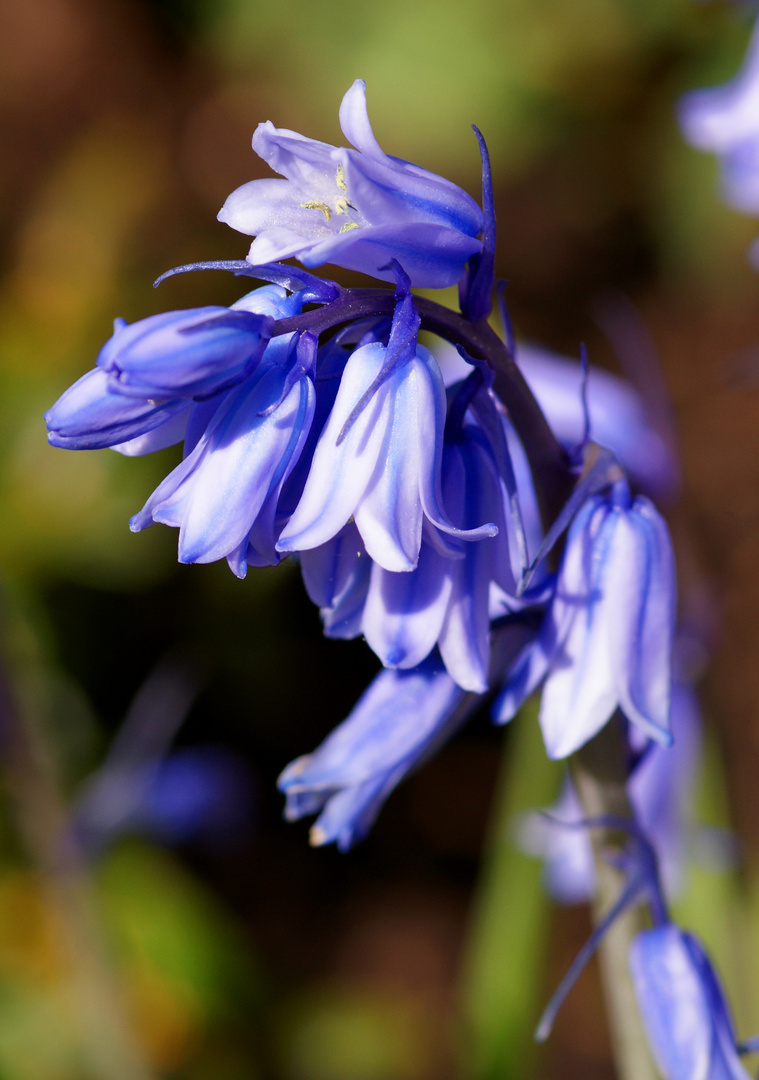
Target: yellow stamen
x,y
340,179
315,205
348,226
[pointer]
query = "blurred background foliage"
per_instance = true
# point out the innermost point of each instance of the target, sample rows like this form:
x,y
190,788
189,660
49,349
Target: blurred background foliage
x,y
219,946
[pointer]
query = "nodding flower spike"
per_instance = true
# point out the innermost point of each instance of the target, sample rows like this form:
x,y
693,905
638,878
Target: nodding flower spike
x,y
354,208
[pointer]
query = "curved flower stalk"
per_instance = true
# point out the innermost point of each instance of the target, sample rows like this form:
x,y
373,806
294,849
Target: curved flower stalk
x,y
606,641
725,120
355,208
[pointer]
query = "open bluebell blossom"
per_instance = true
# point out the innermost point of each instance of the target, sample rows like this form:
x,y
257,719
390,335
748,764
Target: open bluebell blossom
x,y
606,640
355,208
683,1006
725,120
400,721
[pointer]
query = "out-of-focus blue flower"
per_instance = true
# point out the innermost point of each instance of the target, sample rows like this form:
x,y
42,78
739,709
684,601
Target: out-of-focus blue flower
x,y
398,721
617,416
684,1010
725,120
660,789
606,640
354,208
198,793
618,419
378,459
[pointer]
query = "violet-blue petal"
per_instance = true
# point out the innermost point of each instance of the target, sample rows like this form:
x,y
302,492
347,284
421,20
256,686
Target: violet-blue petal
x,y
167,434
215,494
184,353
640,580
394,725
356,208
464,640
339,475
683,1007
404,613
89,416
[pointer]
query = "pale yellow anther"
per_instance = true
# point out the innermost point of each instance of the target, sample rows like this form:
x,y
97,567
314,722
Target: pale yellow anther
x,y
340,178
342,206
315,205
317,836
348,226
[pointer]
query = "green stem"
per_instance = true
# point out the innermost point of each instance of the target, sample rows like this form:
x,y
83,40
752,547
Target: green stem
x,y
599,775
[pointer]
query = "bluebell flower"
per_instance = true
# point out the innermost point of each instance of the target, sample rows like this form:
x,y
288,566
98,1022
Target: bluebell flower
x,y
396,723
725,120
184,353
141,395
446,600
399,722
228,485
606,640
379,458
683,1007
354,208
90,416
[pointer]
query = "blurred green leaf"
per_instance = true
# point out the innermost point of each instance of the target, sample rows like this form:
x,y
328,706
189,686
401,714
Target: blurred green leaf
x,y
507,944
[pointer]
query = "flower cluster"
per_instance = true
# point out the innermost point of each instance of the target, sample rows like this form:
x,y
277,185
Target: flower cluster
x,y
472,518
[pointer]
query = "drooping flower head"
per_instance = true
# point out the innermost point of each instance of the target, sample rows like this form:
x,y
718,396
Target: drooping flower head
x,y
355,208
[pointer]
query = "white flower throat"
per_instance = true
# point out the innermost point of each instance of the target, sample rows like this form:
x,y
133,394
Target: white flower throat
x,y
340,204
